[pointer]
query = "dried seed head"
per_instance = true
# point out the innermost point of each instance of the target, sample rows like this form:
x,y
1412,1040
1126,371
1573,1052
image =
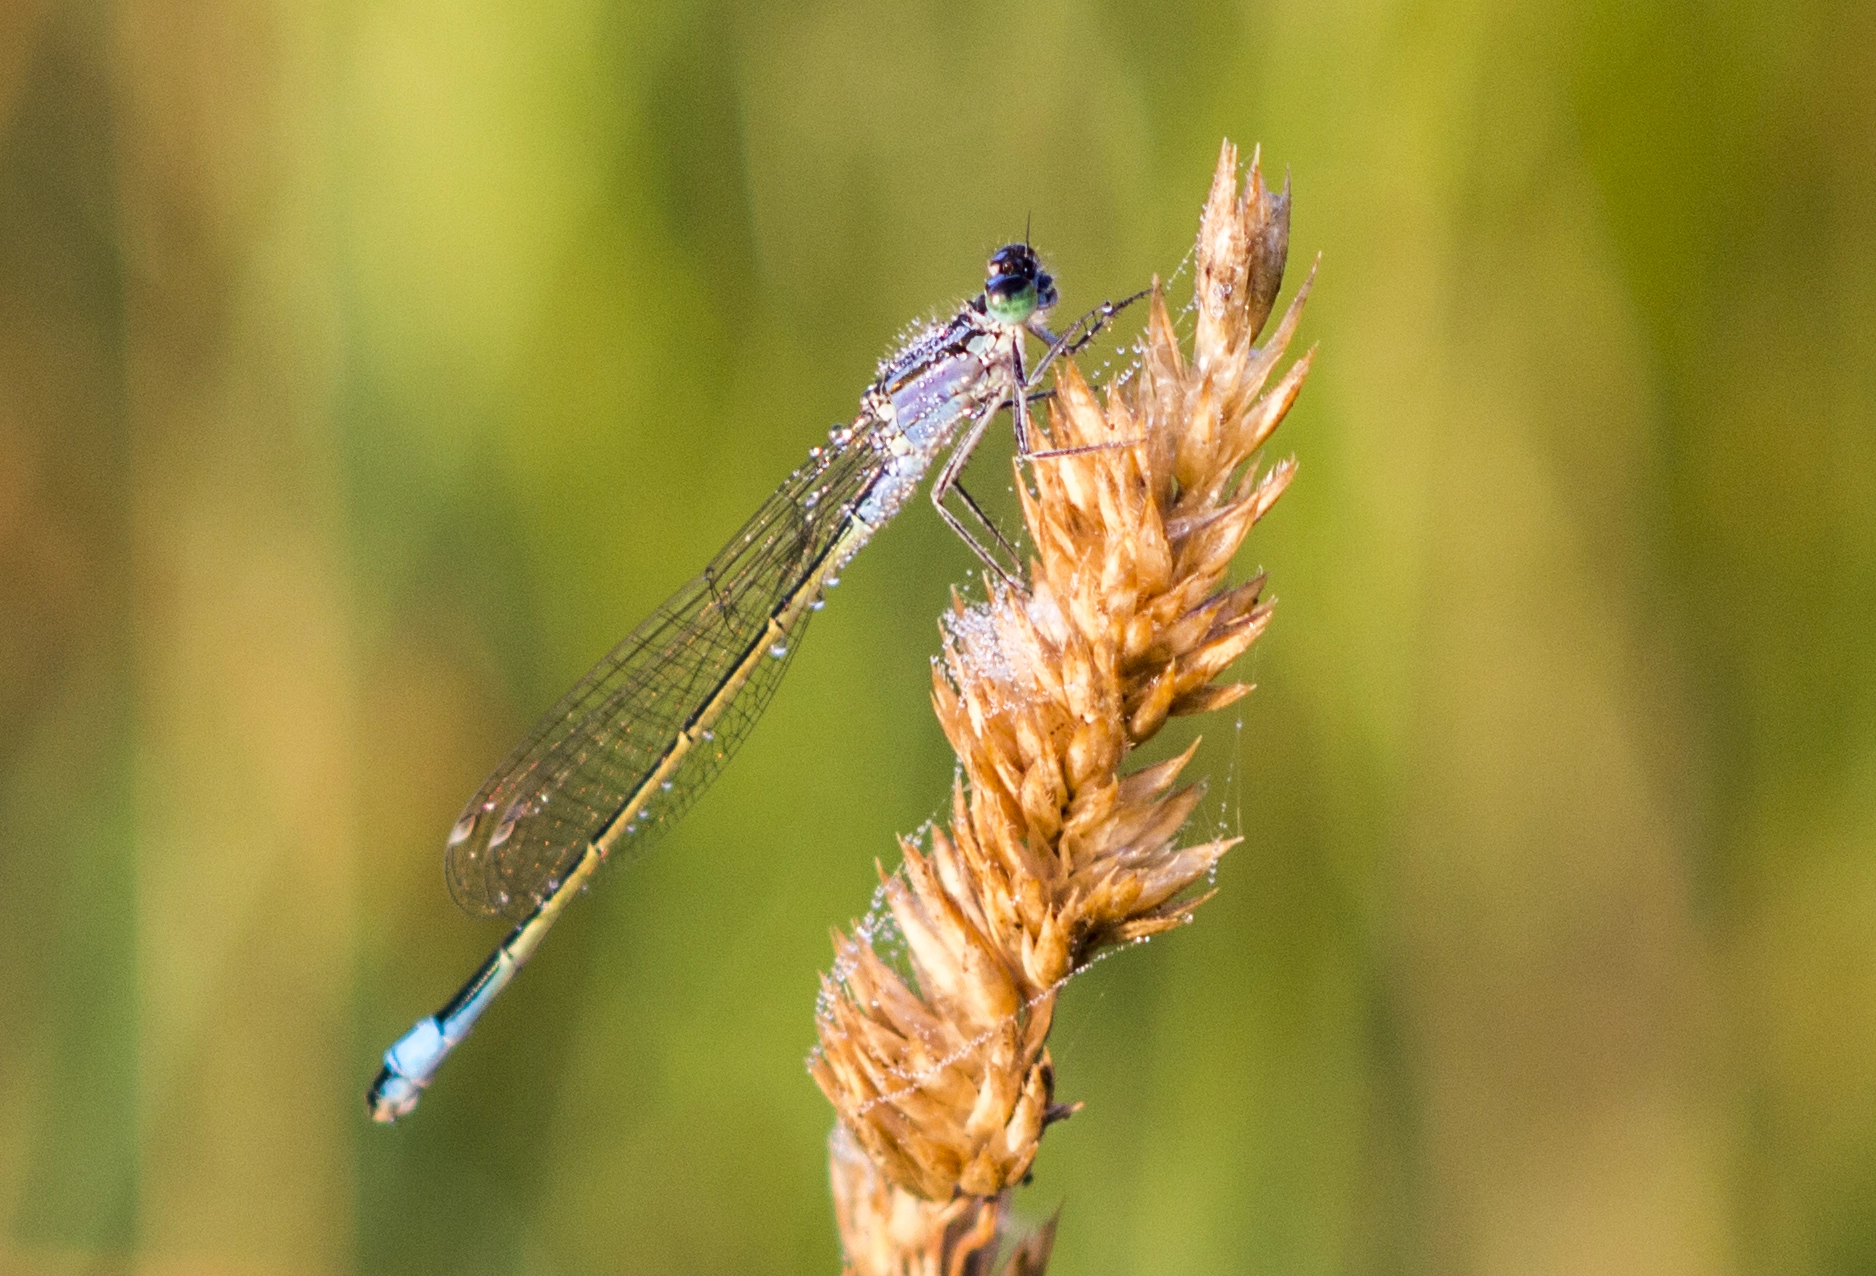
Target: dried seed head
x,y
941,1074
887,1231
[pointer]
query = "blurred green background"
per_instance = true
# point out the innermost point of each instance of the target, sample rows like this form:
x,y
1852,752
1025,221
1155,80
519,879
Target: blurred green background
x,y
368,368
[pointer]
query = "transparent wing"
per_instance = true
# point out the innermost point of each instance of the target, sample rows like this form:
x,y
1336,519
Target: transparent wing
x,y
599,746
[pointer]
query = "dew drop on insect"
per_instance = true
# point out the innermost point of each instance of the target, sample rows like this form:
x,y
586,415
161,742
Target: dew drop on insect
x,y
779,650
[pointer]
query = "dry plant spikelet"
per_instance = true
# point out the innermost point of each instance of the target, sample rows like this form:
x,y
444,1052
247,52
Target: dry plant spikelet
x,y
887,1231
943,1079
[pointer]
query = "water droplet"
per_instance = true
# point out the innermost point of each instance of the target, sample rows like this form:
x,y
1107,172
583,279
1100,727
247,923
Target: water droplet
x,y
817,604
666,786
779,650
710,735
832,581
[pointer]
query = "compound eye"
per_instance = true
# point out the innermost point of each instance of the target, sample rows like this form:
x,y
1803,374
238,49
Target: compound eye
x,y
1009,259
1013,259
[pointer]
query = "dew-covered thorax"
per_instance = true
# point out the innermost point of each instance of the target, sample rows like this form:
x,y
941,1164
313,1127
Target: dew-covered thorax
x,y
967,332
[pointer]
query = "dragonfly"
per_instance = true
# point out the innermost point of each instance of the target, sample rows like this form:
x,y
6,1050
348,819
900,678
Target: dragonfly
x,y
635,742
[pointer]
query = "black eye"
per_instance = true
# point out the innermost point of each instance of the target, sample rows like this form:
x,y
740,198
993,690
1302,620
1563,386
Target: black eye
x,y
1013,259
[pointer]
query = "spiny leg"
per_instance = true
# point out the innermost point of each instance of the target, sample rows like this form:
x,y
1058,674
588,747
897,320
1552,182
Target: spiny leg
x,y
947,481
989,524
963,533
1068,343
1050,454
1071,343
1019,396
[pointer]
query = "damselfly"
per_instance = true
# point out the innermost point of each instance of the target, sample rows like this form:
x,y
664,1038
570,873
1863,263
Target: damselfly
x,y
640,737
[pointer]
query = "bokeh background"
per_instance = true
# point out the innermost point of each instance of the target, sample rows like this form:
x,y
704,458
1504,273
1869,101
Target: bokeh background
x,y
368,367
